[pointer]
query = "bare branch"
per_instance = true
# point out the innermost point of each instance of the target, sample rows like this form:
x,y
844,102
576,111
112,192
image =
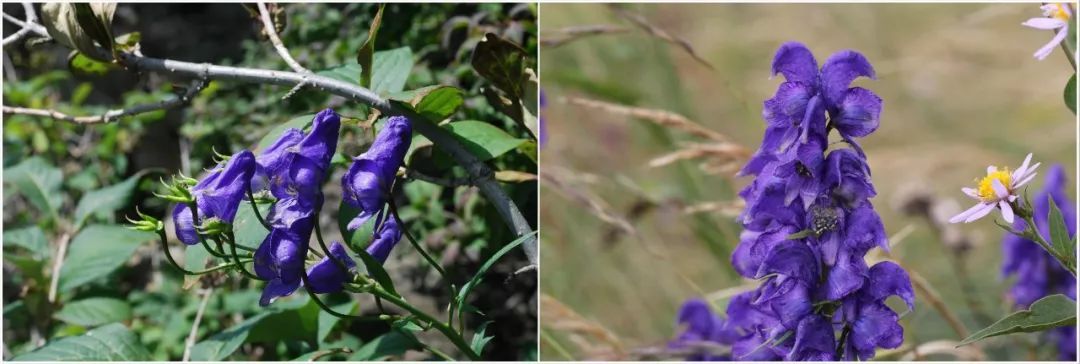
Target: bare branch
x,y
268,27
190,342
61,252
111,114
27,26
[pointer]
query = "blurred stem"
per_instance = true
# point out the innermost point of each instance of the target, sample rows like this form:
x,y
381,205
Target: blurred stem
x,y
255,208
190,342
442,327
921,285
322,244
236,257
168,253
315,297
420,248
1033,234
202,240
555,345
1070,53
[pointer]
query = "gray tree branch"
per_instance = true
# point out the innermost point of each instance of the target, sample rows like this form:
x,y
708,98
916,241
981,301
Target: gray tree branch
x,y
111,114
30,25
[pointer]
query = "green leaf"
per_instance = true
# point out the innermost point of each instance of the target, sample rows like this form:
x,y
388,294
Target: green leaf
x,y
483,140
375,269
96,20
39,181
247,229
195,259
390,69
1060,241
296,318
300,122
219,346
1046,313
327,321
31,238
94,311
112,342
104,202
80,64
502,63
367,50
1070,93
97,251
479,340
440,103
389,344
62,23
479,276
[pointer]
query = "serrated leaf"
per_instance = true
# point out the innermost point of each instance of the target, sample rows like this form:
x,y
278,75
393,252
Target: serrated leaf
x,y
389,344
94,311
1047,313
367,50
502,63
1059,235
112,342
31,238
39,181
479,276
1070,93
390,69
104,202
483,140
219,346
300,122
97,251
440,103
479,339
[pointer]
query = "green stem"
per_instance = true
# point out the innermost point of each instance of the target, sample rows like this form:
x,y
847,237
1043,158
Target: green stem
x,y
443,328
236,258
324,307
423,252
168,253
220,267
255,208
202,240
1031,231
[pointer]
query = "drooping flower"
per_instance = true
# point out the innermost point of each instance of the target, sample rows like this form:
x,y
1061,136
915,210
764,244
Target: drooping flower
x,y
998,189
384,240
326,276
1055,17
280,258
218,195
1037,273
368,181
296,165
702,327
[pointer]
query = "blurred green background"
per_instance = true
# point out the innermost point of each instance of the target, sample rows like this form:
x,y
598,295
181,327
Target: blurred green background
x,y
961,91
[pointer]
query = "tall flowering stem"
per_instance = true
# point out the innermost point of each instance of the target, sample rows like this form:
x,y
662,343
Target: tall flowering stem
x,y
809,223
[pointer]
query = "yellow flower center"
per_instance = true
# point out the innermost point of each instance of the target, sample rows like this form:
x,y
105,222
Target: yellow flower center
x,y
1060,12
986,184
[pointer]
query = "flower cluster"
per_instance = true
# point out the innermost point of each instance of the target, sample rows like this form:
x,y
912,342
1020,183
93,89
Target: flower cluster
x,y
1055,17
809,222
293,169
703,328
1037,273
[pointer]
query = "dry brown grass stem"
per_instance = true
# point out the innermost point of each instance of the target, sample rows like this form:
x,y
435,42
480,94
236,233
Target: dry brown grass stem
x,y
726,208
600,209
591,339
656,32
720,158
661,117
963,353
566,35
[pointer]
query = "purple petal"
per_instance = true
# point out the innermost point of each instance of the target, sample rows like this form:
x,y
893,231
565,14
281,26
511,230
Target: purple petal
x,y
792,259
184,224
839,70
848,275
796,63
384,240
889,279
814,340
326,276
860,110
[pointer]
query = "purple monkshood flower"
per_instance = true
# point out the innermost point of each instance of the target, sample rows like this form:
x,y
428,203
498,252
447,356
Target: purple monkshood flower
x,y
368,181
296,163
1037,273
280,257
809,223
217,196
702,328
384,240
542,129
326,276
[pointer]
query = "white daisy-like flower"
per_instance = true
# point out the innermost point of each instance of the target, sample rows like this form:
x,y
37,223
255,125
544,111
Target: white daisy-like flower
x,y
998,189
1055,17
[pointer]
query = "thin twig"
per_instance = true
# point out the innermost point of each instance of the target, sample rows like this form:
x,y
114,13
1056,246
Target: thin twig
x,y
35,27
111,114
27,26
57,264
271,32
662,117
195,324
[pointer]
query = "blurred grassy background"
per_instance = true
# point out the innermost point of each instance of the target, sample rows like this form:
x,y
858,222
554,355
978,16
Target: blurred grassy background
x,y
961,91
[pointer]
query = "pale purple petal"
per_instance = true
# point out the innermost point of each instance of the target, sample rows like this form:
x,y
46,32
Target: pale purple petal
x,y
1045,51
963,215
1044,23
970,192
1006,211
999,189
1025,180
986,208
1019,172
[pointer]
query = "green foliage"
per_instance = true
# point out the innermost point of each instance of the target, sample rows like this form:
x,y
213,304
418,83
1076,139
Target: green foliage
x,y
112,342
97,251
39,181
1070,93
1047,313
391,69
104,202
482,139
1062,245
94,311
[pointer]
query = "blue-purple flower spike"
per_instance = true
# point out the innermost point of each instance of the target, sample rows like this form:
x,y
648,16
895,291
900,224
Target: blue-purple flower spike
x,y
809,223
326,276
1037,273
368,181
218,195
384,240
